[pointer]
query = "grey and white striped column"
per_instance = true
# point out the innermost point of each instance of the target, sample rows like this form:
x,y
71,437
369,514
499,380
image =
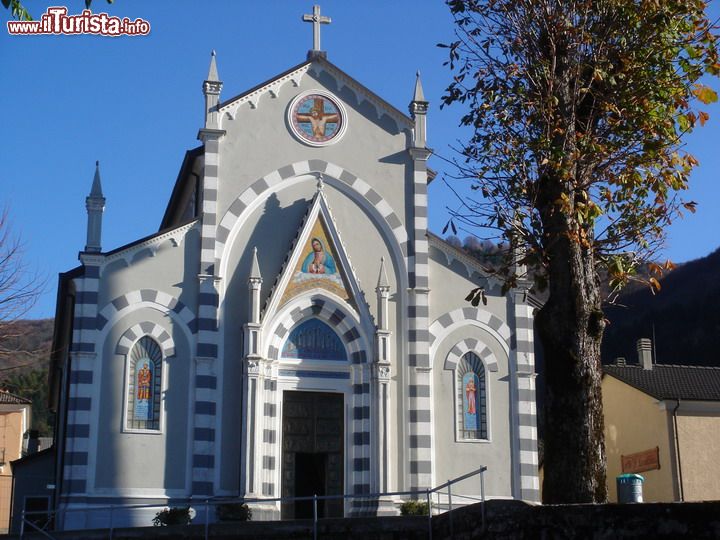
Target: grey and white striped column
x,y
206,384
83,358
526,408
421,459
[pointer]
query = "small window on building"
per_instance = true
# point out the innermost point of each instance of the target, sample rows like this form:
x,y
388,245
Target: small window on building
x,y
144,385
471,398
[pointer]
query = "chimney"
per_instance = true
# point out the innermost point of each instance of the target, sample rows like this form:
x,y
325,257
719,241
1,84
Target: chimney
x,y
620,361
644,350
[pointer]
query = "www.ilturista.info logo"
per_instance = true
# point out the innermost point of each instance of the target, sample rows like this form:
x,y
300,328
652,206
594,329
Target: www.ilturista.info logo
x,y
56,21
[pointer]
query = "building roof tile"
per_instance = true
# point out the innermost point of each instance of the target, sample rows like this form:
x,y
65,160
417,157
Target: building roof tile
x,y
7,397
671,381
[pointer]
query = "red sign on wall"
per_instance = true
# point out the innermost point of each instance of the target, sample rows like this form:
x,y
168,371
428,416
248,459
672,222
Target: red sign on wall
x,y
647,460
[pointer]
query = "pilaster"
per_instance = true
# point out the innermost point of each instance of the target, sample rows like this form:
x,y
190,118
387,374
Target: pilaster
x,y
83,358
525,409
420,400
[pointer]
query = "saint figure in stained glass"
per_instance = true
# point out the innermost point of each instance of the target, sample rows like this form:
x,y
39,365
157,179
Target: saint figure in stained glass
x,y
143,383
470,394
471,419
144,390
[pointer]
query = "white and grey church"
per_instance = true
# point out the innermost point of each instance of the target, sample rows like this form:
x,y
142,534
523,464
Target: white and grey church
x,y
293,328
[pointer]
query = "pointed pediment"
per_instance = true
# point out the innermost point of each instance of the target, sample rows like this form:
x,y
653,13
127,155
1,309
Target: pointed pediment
x,y
328,74
318,265
317,261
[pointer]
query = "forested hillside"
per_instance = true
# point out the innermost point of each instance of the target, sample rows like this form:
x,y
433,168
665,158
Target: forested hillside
x,y
684,314
24,356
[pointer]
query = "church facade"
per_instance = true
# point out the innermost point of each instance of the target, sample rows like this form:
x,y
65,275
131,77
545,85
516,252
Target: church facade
x,y
293,328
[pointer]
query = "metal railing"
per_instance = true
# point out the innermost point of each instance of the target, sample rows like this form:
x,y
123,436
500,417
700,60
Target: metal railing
x,y
50,515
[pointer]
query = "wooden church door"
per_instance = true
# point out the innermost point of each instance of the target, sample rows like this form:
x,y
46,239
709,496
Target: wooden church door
x,y
312,452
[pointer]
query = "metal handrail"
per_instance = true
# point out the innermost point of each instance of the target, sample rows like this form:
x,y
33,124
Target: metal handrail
x,y
315,498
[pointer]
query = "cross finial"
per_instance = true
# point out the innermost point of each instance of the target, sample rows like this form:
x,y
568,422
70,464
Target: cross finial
x,y
316,19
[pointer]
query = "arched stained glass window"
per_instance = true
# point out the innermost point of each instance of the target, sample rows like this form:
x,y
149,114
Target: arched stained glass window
x,y
314,340
144,385
471,398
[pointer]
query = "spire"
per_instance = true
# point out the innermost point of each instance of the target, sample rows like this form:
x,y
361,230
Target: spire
x,y
418,95
383,295
382,276
254,284
212,72
418,111
211,89
255,268
95,206
96,190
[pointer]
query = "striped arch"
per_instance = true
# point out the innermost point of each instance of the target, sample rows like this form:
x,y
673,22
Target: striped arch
x,y
470,315
351,334
474,346
342,323
162,301
336,176
157,332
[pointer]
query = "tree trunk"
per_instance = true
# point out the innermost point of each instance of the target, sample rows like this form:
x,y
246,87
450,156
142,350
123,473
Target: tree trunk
x,y
571,325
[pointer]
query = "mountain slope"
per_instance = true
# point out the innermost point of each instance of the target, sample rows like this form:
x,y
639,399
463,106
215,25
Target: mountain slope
x,y
685,314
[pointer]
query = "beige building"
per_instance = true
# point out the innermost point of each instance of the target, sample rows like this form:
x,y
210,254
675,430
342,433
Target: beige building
x,y
663,422
14,422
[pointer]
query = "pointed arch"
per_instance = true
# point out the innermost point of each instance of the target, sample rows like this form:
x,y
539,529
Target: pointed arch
x,y
379,210
471,345
313,339
340,318
131,335
446,323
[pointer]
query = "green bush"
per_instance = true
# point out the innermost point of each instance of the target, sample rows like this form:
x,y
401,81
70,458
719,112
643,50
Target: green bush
x,y
233,512
177,515
414,508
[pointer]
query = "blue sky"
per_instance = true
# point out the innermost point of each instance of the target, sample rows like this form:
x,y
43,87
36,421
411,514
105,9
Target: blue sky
x,y
135,104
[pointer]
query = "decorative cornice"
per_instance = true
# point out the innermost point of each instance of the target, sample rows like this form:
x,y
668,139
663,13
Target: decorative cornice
x,y
471,264
91,259
175,236
273,87
206,134
419,153
364,94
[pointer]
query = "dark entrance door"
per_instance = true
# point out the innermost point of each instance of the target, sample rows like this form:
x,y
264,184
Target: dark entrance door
x,y
312,454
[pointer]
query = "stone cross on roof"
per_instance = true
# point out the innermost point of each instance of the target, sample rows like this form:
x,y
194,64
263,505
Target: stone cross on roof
x,y
316,19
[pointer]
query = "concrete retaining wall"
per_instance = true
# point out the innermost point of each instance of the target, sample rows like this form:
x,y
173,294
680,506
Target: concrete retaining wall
x,y
505,520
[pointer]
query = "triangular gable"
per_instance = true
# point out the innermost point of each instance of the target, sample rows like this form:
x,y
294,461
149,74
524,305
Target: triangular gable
x,y
318,266
294,75
317,261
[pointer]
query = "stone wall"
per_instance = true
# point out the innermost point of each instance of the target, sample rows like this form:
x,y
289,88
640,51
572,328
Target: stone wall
x,y
505,520
520,521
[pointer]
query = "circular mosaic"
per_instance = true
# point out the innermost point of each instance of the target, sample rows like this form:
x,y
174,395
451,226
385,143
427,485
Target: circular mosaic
x,y
317,119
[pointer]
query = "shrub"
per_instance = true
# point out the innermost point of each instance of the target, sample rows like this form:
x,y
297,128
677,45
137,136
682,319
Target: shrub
x,y
233,512
177,515
414,508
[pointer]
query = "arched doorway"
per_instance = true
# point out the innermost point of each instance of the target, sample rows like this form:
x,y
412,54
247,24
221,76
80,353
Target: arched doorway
x,y
313,420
